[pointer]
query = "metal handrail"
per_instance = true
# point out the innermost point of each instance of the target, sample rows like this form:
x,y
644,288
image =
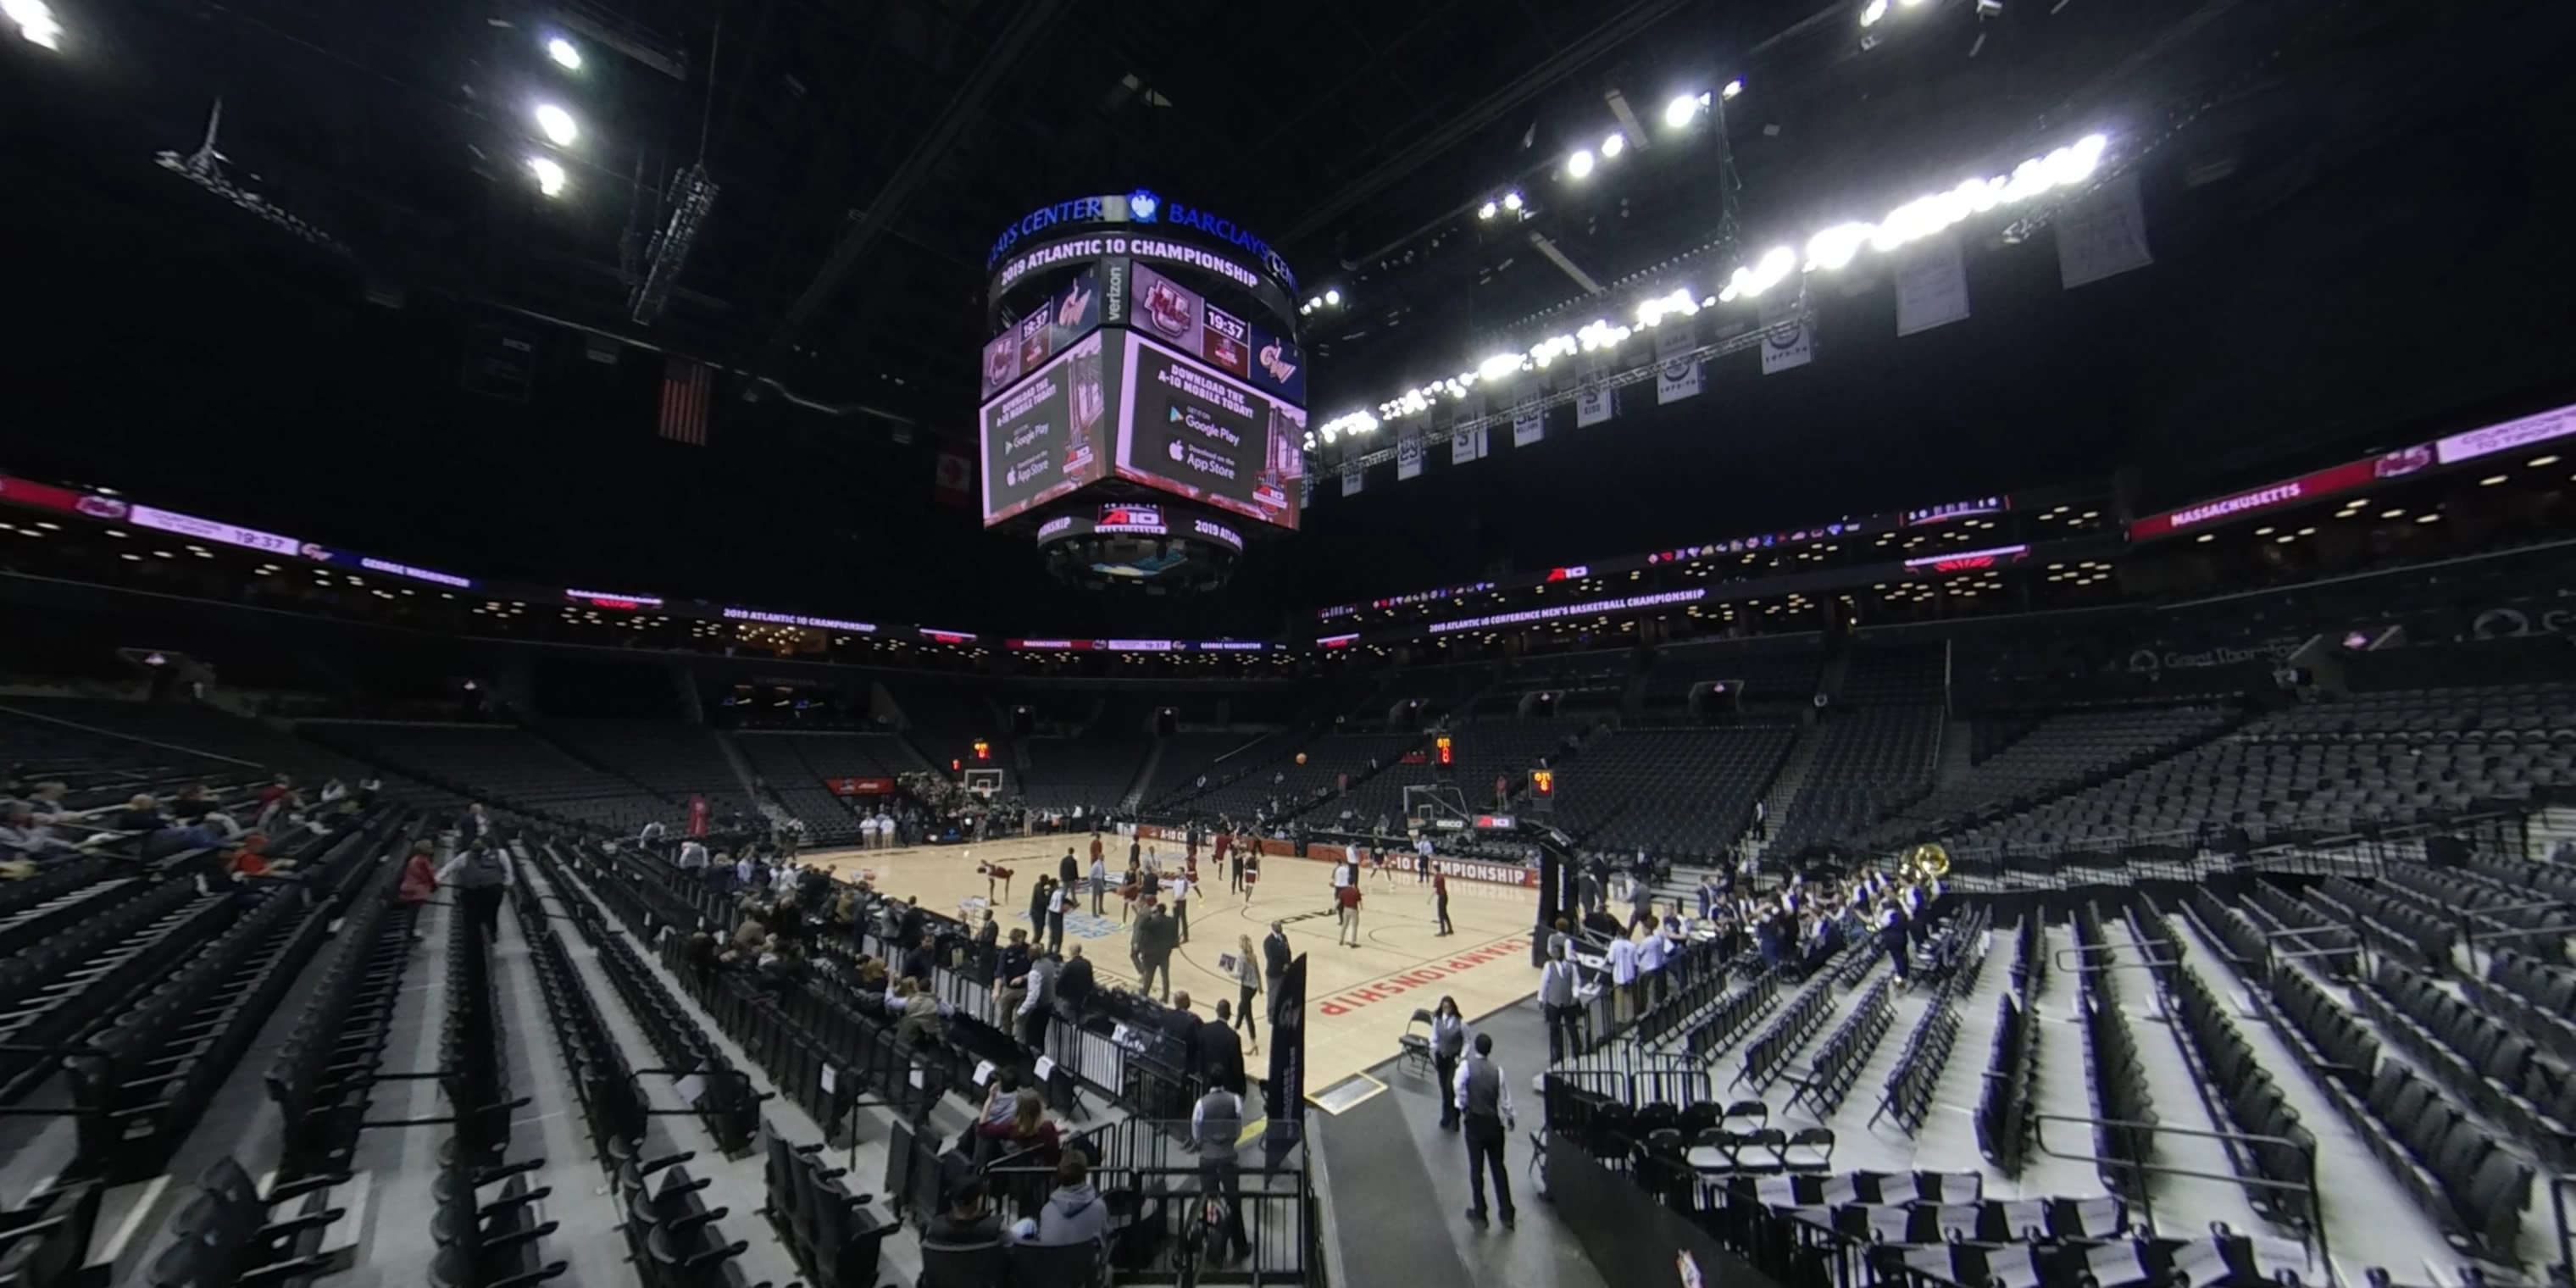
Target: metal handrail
x,y
2318,1251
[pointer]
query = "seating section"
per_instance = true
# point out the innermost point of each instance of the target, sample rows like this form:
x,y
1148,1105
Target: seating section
x,y
2003,1105
505,766
1188,757
2061,753
670,760
1311,790
2316,771
1684,792
2124,1135
176,740
1093,771
794,766
1771,672
1868,763
1480,751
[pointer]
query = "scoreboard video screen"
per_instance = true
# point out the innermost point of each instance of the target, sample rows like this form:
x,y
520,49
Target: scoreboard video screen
x,y
1040,439
1196,432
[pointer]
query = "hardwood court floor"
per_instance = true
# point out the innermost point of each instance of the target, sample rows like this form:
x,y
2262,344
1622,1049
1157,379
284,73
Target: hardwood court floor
x,y
1358,999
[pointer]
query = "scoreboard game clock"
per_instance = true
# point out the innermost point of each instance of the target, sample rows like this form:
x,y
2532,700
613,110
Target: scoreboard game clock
x,y
1143,356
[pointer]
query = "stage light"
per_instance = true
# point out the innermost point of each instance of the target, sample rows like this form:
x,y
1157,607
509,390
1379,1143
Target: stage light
x,y
550,175
1512,199
1873,11
35,20
1580,164
1733,88
1487,210
1612,146
1332,297
566,54
1684,109
557,125
1498,366
1316,302
1834,247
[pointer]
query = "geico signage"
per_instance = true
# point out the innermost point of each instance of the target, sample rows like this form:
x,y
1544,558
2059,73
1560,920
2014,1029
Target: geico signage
x,y
1495,873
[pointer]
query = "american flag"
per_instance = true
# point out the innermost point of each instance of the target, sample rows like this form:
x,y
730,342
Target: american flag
x,y
685,394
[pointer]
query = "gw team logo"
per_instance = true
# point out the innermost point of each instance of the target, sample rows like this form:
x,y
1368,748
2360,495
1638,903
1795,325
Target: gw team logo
x,y
1143,205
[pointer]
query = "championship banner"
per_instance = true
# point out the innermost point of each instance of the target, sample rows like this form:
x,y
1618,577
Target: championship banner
x,y
2102,234
1351,477
1408,453
1592,406
1676,376
1791,346
1931,287
1529,423
1467,444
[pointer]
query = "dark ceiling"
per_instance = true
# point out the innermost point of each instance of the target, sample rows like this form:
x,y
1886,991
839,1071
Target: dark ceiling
x,y
2297,156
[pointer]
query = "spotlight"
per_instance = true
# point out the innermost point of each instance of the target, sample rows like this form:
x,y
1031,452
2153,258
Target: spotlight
x,y
557,125
1873,11
1333,297
1315,303
35,20
1580,164
1733,88
1512,199
566,54
1487,210
550,175
1683,109
1613,145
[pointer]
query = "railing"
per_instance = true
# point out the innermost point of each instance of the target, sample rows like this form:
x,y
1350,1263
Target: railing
x,y
1146,1163
2313,1237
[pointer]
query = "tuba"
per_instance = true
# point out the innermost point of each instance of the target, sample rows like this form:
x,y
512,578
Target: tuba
x,y
1925,862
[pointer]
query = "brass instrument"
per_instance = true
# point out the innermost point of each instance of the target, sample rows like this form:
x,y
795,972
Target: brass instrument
x,y
1925,862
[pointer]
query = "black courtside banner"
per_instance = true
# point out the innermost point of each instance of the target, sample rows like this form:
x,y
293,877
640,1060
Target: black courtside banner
x,y
1285,1090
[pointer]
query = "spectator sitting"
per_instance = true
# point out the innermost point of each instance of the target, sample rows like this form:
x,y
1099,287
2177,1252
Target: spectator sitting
x,y
1074,1213
22,831
141,814
1027,1129
967,1222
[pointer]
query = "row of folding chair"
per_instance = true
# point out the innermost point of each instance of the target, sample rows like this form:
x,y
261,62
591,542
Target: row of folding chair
x,y
1733,1014
1947,1189
723,1095
229,1233
2239,1092
2478,1058
1765,1057
2533,996
1702,978
2220,1261
1999,1221
151,1074
1907,1093
321,1078
837,1241
44,1243
61,988
2391,925
1838,1059
2540,924
2124,1133
487,1223
2301,929
2012,1062
60,897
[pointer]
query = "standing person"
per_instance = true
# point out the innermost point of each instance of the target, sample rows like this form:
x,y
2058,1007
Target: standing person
x,y
1448,1046
1345,875
1891,939
419,883
1484,1099
1057,897
1068,872
1247,871
1128,893
1623,975
1350,897
1010,977
1181,903
1588,891
1440,903
1220,1047
1650,965
1155,939
1216,1124
1135,852
1422,853
1558,1000
1641,901
1037,1006
1099,877
1230,860
1274,967
1038,908
482,875
1247,977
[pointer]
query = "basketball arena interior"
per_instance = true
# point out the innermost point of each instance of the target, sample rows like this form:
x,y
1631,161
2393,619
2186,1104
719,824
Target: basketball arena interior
x,y
1062,643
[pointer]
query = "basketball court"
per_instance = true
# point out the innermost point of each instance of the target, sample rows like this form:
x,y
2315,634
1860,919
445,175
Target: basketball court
x,y
1358,998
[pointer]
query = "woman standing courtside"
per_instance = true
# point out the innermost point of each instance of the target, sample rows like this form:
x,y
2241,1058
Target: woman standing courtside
x,y
1448,1046
1247,976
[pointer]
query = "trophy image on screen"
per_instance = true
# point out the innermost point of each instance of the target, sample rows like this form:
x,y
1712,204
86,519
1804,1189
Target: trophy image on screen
x,y
1090,403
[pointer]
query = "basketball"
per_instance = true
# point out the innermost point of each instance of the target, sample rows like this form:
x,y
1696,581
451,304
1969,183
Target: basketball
x,y
1301,758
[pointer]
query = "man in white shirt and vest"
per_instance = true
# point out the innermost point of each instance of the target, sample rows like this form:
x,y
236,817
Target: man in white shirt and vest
x,y
1563,1006
1623,977
1484,1100
1650,964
